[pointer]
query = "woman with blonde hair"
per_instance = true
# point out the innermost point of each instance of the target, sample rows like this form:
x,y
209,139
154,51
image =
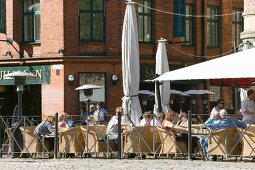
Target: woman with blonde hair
x,y
62,120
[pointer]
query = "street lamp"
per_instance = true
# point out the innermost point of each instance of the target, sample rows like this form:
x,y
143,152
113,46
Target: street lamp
x,y
19,78
88,92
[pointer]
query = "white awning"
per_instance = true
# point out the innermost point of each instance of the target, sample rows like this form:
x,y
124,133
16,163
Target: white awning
x,y
237,65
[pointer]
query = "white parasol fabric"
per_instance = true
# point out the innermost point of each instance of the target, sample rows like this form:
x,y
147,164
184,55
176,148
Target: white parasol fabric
x,y
162,67
146,92
236,65
130,66
172,91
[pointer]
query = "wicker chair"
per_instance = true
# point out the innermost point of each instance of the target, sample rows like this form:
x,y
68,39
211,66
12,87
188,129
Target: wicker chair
x,y
248,140
169,145
71,141
31,142
140,140
224,142
97,140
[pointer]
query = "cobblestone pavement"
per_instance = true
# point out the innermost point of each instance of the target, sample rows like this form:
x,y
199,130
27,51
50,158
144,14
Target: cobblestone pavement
x,y
112,164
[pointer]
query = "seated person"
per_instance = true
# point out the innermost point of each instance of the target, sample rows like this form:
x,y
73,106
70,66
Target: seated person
x,y
218,109
170,126
69,122
146,121
62,120
46,128
218,122
183,120
112,128
156,119
179,132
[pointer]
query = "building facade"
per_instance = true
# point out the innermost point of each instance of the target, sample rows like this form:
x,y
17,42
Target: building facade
x,y
68,43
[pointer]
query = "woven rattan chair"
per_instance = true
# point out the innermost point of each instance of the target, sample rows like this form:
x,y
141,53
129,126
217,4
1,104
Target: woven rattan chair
x,y
97,140
71,141
31,142
169,145
248,141
142,140
224,142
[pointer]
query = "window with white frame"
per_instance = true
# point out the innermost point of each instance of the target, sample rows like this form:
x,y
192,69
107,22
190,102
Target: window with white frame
x,y
189,23
237,26
144,21
212,27
31,21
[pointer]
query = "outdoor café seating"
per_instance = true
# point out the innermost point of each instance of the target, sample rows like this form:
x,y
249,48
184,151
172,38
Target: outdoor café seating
x,y
169,145
141,140
71,141
96,140
224,142
31,143
248,141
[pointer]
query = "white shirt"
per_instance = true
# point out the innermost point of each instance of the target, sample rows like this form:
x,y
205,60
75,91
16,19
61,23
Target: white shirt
x,y
216,111
247,105
144,123
112,125
155,122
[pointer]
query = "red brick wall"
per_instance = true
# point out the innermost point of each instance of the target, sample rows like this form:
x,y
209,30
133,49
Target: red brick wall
x,y
53,93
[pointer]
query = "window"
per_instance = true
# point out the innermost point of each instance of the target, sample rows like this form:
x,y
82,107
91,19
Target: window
x,y
95,79
2,16
144,21
92,20
212,27
237,26
189,22
31,20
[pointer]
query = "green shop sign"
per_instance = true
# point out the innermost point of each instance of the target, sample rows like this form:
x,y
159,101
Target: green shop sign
x,y
42,74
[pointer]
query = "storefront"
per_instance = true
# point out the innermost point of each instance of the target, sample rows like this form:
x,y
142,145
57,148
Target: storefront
x,y
32,91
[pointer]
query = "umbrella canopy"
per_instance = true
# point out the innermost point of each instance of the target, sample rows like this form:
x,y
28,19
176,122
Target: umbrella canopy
x,y
130,66
146,92
237,65
162,67
206,92
193,92
184,94
172,91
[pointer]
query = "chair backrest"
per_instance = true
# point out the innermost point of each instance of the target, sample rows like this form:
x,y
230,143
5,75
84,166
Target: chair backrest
x,y
224,141
142,140
169,145
71,140
100,130
31,142
248,140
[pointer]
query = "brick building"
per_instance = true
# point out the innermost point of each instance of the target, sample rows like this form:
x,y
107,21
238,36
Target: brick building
x,y
62,39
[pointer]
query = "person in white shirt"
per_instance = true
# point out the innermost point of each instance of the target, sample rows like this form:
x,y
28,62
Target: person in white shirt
x,y
112,128
248,107
219,109
146,121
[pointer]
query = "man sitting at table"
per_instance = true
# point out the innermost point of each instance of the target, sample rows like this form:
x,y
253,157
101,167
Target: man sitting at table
x,y
46,128
218,122
112,128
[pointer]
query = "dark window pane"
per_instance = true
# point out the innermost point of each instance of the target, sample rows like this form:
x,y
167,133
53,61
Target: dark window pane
x,y
98,26
37,27
84,26
84,4
28,28
97,4
28,6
